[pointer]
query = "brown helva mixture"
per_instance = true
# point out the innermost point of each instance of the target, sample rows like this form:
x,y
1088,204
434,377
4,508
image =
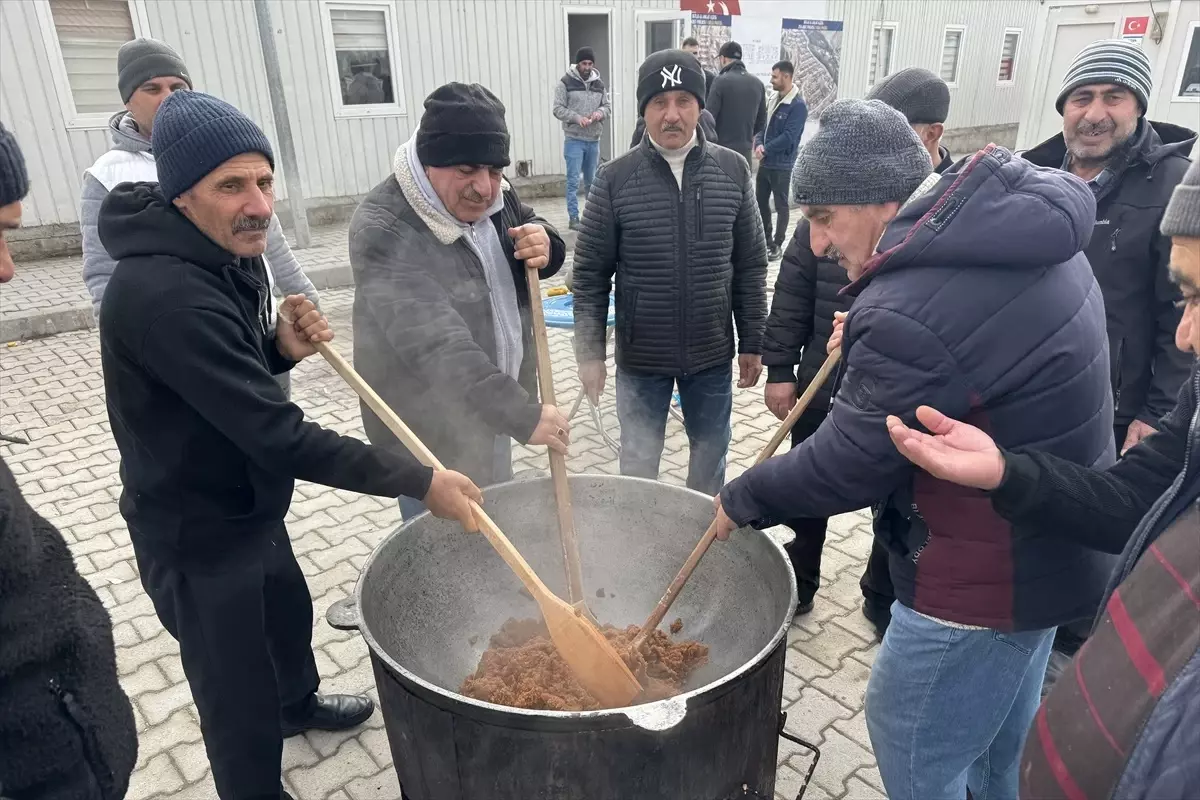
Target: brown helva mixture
x,y
522,668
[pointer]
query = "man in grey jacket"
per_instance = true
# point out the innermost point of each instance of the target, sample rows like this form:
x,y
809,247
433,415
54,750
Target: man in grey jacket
x,y
442,324
148,72
581,104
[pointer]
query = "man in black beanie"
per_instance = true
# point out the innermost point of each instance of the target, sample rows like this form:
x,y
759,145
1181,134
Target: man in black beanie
x,y
738,102
581,104
442,325
210,446
66,727
675,220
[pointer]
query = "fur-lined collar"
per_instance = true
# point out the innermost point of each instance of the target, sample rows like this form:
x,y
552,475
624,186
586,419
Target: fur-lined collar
x,y
446,231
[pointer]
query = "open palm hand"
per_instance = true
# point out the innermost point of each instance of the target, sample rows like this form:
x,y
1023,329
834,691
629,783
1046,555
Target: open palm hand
x,y
953,450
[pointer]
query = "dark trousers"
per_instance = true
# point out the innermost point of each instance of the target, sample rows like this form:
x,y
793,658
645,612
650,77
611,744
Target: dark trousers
x,y
706,397
244,628
805,550
773,183
876,581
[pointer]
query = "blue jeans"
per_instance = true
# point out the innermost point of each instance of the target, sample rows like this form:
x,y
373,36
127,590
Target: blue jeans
x,y
581,156
948,709
501,471
643,401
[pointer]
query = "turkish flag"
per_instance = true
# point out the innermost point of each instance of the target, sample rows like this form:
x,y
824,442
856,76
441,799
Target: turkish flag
x,y
723,7
1136,26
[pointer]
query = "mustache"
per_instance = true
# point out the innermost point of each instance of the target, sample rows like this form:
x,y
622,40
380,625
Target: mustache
x,y
671,128
832,253
1086,128
245,223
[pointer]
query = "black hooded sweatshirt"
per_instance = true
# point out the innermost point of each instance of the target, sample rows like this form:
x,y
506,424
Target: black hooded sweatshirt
x,y
210,446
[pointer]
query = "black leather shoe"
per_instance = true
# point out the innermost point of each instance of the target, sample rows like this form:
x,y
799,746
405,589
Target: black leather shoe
x,y
804,608
332,712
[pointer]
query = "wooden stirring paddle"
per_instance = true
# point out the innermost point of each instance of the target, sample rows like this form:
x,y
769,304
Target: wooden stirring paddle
x,y
710,535
558,462
589,655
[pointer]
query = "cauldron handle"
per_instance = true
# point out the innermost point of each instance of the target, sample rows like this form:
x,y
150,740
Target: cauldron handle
x,y
807,746
343,615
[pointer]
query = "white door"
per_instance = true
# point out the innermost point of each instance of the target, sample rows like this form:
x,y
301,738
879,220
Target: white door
x,y
660,30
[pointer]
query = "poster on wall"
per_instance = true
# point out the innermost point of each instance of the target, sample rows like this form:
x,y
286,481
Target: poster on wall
x,y
814,46
712,31
759,38
757,25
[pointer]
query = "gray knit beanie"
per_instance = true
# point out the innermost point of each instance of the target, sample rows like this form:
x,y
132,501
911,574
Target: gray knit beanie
x,y
1109,61
864,153
1182,217
144,60
918,94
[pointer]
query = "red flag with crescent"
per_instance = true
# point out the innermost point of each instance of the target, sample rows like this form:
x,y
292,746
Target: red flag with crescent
x,y
723,7
1136,26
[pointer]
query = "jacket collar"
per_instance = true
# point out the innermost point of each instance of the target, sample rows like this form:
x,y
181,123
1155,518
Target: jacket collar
x,y
1153,141
446,231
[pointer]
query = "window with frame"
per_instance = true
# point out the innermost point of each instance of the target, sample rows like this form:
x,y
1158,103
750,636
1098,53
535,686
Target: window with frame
x,y
1008,56
89,34
951,50
361,38
1189,70
882,39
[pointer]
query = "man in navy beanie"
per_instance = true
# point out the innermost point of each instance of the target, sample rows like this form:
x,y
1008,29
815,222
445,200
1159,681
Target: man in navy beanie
x,y
211,447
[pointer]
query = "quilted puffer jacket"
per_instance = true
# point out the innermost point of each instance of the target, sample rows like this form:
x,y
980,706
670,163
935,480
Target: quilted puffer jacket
x,y
690,262
979,303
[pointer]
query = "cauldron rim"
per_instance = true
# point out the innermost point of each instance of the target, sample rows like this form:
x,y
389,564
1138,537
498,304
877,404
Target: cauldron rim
x,y
632,713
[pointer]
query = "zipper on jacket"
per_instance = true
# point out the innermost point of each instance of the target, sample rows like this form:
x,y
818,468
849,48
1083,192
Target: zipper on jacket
x,y
1118,383
699,216
682,263
1112,240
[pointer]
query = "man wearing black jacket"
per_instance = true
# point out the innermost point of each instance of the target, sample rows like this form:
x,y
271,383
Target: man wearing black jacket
x,y
738,102
210,447
808,295
66,728
674,220
1131,165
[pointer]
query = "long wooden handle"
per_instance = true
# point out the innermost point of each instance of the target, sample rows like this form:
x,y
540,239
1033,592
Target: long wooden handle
x,y
499,541
789,422
558,462
710,535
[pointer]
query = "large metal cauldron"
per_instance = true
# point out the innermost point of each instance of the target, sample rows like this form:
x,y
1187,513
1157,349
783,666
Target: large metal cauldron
x,y
430,597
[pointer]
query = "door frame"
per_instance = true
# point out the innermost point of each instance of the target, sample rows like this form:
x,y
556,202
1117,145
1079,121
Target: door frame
x,y
607,13
640,18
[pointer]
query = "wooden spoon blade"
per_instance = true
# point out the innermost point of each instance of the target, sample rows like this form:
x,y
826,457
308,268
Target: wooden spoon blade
x,y
590,656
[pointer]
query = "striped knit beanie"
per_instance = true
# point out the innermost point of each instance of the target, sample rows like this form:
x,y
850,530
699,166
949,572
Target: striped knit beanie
x,y
1109,61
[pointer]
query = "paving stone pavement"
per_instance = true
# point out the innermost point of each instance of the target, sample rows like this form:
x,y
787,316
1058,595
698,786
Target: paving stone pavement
x,y
51,392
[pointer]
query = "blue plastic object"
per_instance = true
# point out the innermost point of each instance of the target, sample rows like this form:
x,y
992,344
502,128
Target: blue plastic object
x,y
560,311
